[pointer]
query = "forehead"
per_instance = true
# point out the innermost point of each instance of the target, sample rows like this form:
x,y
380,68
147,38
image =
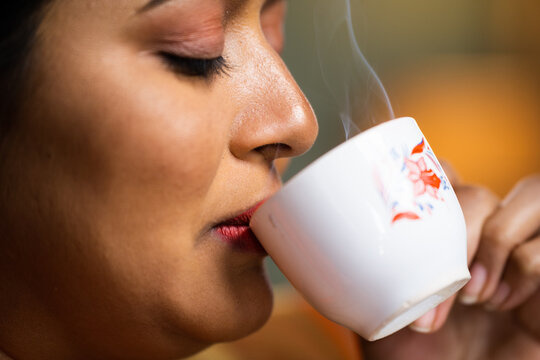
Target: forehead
x,y
105,15
127,9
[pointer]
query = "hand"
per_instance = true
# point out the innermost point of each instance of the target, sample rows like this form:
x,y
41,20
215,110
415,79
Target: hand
x,y
504,249
506,270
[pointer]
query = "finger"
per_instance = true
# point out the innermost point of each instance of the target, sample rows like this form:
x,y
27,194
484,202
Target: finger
x,y
477,204
516,220
521,279
529,316
435,318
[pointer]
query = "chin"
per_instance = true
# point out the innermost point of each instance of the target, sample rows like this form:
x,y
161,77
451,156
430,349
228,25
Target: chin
x,y
247,310
252,314
241,321
228,307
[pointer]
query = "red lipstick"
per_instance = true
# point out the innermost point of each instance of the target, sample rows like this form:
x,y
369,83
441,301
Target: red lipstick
x,y
237,233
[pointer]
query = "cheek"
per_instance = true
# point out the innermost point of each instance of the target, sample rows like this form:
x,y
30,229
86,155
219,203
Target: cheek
x,y
134,151
162,129
143,130
127,154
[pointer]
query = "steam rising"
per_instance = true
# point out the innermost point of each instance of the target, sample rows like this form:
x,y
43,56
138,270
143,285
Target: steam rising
x,y
356,88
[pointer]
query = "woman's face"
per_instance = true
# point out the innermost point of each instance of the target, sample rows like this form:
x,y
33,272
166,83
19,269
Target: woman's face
x,y
128,157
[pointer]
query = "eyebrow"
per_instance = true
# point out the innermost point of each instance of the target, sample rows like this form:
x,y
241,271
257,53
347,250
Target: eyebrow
x,y
155,3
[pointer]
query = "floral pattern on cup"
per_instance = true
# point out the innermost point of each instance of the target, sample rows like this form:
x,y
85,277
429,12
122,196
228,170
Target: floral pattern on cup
x,y
420,184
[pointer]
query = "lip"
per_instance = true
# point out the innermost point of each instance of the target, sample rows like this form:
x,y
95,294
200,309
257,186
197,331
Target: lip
x,y
237,233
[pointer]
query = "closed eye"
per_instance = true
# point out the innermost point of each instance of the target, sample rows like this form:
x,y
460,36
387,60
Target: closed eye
x,y
203,68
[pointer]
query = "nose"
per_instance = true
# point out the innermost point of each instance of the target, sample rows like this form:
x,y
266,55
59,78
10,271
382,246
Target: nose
x,y
274,118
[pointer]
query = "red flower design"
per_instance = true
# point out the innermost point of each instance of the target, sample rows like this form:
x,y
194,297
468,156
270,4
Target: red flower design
x,y
424,179
418,149
405,215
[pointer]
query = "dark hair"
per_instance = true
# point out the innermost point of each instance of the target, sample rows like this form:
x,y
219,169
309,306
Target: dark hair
x,y
19,21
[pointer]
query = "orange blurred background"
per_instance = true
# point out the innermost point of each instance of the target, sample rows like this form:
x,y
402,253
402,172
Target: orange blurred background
x,y
481,113
466,70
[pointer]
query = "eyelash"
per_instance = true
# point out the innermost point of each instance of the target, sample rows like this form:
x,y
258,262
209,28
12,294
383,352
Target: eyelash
x,y
203,68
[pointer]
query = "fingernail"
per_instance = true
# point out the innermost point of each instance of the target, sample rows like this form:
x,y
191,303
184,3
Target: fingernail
x,y
501,294
472,290
425,323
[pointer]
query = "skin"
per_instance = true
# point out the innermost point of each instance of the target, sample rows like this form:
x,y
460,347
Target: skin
x,y
497,316
118,169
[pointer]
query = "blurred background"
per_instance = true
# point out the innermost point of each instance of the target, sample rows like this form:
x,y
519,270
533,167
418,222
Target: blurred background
x,y
467,71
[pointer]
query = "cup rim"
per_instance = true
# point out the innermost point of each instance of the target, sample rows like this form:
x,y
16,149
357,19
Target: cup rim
x,y
347,142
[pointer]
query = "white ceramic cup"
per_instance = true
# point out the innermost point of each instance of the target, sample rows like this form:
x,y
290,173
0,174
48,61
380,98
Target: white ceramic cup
x,y
371,233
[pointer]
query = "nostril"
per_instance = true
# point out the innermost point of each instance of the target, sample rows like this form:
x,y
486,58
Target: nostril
x,y
271,152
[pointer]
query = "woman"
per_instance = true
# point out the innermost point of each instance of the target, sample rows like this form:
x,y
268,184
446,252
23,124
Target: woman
x,y
138,137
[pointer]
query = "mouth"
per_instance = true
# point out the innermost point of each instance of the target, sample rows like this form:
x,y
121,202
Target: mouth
x,y
237,233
